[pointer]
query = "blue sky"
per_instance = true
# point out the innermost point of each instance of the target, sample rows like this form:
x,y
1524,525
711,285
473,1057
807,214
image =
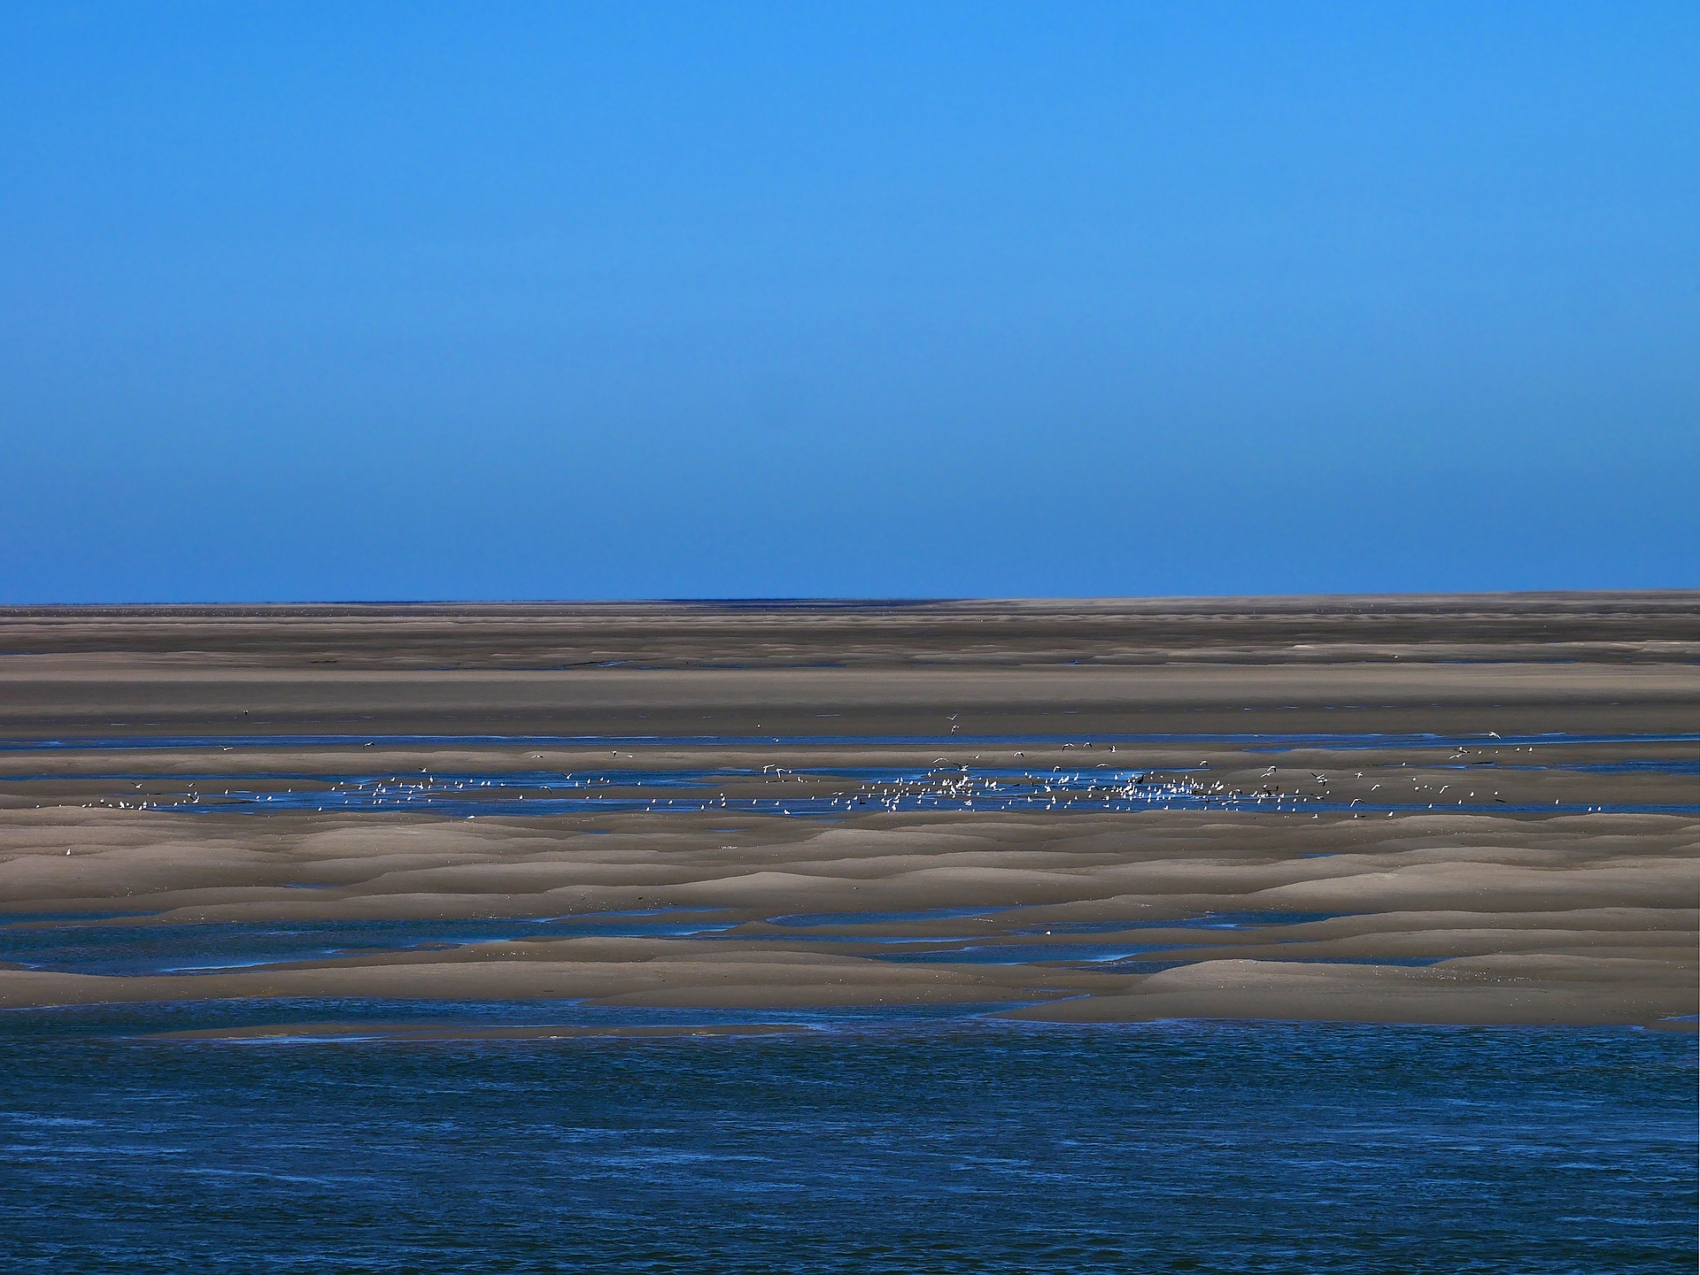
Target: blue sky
x,y
379,301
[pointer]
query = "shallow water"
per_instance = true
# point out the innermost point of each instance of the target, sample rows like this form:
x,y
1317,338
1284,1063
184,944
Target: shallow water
x,y
1357,775
927,1141
126,948
828,792
129,944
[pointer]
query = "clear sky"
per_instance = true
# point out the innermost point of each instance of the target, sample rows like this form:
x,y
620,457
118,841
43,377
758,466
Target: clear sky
x,y
379,301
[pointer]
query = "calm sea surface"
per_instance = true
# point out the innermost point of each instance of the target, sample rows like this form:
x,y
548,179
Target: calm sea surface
x,y
943,1142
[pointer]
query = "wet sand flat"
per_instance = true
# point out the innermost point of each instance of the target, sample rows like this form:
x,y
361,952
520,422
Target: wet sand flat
x,y
1472,809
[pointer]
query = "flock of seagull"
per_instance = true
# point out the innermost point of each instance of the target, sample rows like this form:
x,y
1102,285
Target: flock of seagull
x,y
940,786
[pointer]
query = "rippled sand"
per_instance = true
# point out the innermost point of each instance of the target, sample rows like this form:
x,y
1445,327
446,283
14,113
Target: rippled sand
x,y
1411,913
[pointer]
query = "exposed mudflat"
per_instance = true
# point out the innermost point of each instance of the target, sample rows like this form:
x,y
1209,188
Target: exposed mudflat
x,y
1476,810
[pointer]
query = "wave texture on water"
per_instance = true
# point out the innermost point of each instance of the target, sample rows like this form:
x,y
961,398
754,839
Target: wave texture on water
x,y
950,1144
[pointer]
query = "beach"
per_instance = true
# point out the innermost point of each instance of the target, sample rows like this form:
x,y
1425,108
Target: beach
x,y
1452,809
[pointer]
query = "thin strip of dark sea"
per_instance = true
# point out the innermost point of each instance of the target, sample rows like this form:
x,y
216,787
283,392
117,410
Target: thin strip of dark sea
x,y
123,947
129,944
865,1141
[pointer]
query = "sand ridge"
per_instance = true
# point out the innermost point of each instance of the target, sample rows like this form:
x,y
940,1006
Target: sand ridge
x,y
1409,912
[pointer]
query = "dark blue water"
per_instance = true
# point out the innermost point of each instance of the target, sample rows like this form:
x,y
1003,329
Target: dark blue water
x,y
857,1145
123,948
127,944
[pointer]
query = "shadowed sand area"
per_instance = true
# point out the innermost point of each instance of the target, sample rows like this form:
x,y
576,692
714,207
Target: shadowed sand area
x,y
1447,809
